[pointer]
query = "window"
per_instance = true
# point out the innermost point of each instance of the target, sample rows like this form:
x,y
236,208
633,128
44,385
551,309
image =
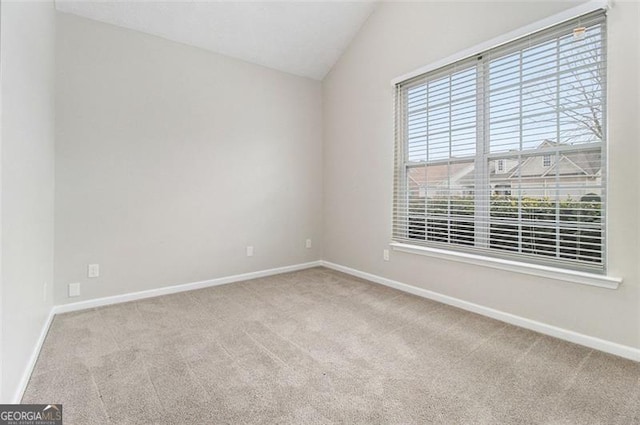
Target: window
x,y
502,190
502,153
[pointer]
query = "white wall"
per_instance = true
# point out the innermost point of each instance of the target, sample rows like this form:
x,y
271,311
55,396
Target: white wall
x,y
358,164
27,84
170,160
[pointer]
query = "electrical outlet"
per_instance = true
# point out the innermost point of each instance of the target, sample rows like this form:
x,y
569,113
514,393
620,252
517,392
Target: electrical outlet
x,y
308,243
249,251
93,270
74,290
385,254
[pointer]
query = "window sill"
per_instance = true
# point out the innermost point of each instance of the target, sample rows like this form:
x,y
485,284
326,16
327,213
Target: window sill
x,y
513,266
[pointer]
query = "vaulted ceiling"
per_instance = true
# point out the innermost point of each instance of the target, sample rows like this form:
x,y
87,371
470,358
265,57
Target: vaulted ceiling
x,y
298,37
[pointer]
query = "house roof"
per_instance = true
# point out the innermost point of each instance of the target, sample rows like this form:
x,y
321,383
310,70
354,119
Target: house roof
x,y
438,175
570,164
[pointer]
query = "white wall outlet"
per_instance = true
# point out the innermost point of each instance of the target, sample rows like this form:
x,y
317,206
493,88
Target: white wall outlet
x,y
74,290
93,270
249,251
308,243
385,254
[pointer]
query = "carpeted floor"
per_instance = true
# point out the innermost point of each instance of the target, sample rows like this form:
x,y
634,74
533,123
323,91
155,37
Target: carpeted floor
x,y
318,346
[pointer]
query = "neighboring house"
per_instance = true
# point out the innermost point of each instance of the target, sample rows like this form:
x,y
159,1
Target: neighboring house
x,y
575,173
434,180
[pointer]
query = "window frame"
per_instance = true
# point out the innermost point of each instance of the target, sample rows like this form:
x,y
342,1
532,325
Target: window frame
x,y
482,158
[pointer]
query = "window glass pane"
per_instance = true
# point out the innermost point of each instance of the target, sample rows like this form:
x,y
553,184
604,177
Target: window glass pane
x,y
441,117
553,211
551,91
441,202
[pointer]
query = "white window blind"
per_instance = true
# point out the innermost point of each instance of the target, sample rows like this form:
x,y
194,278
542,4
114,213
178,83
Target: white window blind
x,y
503,153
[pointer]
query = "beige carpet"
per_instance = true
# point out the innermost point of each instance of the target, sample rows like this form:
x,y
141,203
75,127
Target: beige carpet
x,y
318,346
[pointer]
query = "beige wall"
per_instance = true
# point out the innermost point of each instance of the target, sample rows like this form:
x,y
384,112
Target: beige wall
x,y
358,164
170,160
27,140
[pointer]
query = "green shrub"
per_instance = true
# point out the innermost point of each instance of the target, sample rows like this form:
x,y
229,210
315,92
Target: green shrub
x,y
527,225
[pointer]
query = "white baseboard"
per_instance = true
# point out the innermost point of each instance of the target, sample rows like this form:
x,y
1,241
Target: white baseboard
x,y
83,305
554,331
132,296
567,335
26,375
